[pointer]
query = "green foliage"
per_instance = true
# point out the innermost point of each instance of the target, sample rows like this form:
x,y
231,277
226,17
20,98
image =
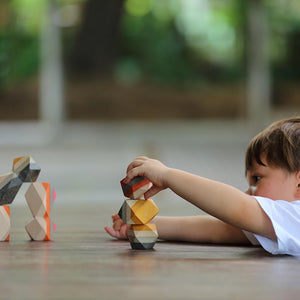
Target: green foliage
x,y
157,48
167,41
18,56
176,41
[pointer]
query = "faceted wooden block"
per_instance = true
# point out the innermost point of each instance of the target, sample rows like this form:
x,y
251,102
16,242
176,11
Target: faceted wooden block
x,y
38,198
142,237
5,179
40,229
26,168
10,184
136,188
138,211
4,223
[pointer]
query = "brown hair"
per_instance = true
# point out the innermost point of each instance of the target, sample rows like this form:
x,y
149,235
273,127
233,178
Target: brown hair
x,y
279,144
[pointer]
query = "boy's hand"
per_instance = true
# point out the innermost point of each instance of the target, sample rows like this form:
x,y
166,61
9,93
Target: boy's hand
x,y
152,169
119,230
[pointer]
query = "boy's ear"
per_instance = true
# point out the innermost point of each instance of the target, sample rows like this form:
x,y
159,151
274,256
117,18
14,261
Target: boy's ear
x,y
298,182
298,177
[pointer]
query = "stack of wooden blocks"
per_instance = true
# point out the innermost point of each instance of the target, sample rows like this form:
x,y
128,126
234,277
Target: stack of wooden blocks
x,y
138,212
24,170
38,198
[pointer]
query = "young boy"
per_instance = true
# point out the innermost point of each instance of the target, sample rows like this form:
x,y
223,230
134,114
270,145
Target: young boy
x,y
267,214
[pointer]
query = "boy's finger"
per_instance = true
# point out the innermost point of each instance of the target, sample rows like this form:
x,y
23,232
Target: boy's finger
x,y
111,232
117,226
136,163
137,171
115,217
151,192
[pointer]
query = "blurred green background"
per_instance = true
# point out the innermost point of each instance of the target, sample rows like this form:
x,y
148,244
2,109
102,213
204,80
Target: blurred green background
x,y
148,59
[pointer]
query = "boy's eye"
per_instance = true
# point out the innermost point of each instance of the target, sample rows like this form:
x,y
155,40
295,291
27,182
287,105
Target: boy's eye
x,y
256,178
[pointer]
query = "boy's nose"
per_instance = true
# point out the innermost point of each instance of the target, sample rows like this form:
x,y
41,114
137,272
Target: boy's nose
x,y
251,190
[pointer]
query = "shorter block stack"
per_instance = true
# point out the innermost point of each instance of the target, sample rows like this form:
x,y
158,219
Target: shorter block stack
x,y
38,198
138,213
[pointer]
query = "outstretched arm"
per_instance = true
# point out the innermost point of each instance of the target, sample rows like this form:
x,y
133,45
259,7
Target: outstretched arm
x,y
222,201
201,229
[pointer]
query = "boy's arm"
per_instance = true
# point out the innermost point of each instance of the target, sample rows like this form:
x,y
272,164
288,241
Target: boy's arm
x,y
221,201
217,199
201,229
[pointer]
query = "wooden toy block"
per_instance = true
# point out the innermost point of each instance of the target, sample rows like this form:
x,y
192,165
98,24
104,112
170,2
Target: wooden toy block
x,y
26,168
142,237
38,198
136,188
138,211
4,223
9,191
5,179
40,229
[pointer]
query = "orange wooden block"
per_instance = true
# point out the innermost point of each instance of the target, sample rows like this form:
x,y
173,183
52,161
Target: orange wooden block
x,y
136,188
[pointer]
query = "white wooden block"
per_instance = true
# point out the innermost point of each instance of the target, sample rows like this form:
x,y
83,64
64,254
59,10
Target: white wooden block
x,y
4,223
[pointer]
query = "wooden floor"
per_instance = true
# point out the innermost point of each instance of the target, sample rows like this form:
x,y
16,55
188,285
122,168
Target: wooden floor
x,y
82,262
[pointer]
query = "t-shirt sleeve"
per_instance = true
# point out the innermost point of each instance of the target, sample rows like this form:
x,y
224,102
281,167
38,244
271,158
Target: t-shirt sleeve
x,y
285,217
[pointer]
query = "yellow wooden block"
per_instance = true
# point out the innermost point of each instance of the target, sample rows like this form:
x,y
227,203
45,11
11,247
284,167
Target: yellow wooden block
x,y
138,211
143,211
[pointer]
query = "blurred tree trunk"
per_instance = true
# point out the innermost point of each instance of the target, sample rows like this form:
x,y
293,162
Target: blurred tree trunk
x,y
52,106
96,43
258,67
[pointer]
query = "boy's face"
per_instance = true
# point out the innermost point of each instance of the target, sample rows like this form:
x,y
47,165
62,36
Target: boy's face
x,y
272,182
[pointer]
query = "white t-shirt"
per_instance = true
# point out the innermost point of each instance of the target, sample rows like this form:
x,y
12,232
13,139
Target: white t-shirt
x,y
285,217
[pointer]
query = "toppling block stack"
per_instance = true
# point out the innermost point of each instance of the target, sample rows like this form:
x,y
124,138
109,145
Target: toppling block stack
x,y
38,198
138,213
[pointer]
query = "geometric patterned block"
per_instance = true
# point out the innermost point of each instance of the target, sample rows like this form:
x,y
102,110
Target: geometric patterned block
x,y
26,168
138,211
10,189
40,229
142,237
136,188
4,223
38,198
5,179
